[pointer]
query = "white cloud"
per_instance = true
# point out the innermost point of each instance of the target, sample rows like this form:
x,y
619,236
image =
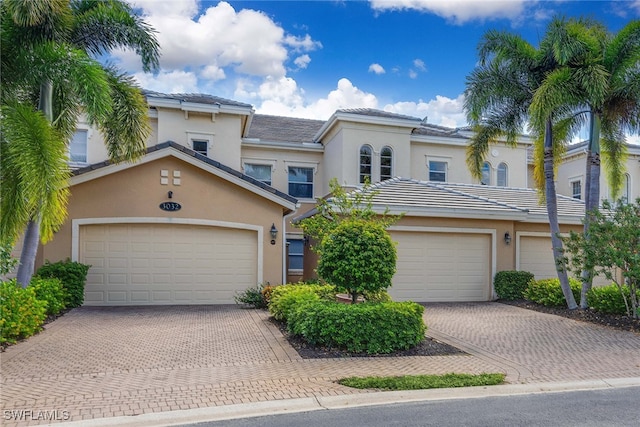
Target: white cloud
x,y
302,61
457,11
413,74
175,81
441,111
376,68
419,64
633,139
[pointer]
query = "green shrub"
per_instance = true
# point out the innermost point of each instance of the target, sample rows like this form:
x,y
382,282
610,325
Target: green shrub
x,y
286,297
510,285
377,296
608,299
73,276
252,297
548,291
373,328
52,292
358,256
21,313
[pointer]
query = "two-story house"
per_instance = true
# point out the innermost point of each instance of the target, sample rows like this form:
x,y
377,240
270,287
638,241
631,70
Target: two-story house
x,y
207,211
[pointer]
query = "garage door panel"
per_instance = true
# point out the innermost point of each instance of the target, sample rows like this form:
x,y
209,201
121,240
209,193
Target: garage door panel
x,y
161,264
442,267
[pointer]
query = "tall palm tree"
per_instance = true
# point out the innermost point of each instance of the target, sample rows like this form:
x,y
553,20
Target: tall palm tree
x,y
604,77
498,98
49,77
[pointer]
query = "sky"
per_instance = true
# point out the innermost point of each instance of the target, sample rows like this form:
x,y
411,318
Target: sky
x,y
309,58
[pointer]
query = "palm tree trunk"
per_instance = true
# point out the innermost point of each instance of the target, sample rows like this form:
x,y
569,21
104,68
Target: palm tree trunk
x,y
32,233
592,195
552,211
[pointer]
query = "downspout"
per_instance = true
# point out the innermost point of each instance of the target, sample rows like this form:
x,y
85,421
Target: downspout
x,y
285,219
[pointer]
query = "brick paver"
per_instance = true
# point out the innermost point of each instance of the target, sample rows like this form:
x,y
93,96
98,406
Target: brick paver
x,y
106,362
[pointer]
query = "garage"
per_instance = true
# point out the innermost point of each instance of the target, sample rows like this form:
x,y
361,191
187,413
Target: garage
x,y
535,255
435,267
141,264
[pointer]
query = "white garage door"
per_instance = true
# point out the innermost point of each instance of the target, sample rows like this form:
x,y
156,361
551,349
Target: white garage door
x,y
442,267
138,264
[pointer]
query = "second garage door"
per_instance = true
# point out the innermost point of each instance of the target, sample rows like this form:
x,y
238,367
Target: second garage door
x,y
442,267
138,264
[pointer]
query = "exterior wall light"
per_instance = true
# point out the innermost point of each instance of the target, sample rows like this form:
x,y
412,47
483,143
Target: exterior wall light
x,y
507,238
274,233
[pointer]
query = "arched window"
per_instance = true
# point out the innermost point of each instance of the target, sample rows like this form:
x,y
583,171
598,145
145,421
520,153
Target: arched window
x,y
503,175
486,174
365,164
626,188
386,163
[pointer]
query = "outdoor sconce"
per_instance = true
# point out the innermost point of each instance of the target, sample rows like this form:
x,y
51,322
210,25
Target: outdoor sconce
x,y
507,238
274,234
170,194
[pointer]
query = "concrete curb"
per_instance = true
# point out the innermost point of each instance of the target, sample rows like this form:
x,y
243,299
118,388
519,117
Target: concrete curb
x,y
218,413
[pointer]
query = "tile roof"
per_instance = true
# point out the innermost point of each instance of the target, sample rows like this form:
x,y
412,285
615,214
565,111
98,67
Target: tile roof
x,y
202,158
198,98
376,113
283,129
415,197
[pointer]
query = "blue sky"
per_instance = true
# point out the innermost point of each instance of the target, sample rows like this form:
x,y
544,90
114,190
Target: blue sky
x,y
309,58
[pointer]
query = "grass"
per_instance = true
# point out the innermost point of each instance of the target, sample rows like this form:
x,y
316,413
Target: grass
x,y
420,382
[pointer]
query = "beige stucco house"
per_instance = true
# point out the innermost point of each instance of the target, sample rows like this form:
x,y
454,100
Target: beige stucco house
x,y
207,211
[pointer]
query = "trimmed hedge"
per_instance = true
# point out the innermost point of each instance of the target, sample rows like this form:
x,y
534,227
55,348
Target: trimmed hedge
x,y
21,313
608,299
286,297
373,328
73,276
511,285
52,292
548,291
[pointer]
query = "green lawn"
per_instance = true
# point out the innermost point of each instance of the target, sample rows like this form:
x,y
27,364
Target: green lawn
x,y
420,382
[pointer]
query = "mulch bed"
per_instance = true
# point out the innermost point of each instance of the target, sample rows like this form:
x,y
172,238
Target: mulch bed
x,y
427,347
614,321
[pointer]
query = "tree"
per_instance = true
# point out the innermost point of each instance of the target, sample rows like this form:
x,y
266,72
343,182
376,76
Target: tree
x,y
358,256
48,78
603,74
612,249
498,98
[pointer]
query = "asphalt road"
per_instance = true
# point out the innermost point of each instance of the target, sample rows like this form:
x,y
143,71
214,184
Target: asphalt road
x,y
597,408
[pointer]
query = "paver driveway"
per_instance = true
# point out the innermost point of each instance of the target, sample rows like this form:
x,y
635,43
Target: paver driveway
x,y
105,362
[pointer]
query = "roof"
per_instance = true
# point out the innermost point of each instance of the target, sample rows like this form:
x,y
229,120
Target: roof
x,y
435,130
283,129
423,198
375,113
198,98
250,183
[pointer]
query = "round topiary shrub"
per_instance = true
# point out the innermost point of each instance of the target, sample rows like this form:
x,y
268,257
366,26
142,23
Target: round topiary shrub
x,y
358,256
511,285
548,291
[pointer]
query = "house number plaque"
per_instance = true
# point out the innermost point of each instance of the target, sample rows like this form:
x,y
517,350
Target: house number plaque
x,y
170,206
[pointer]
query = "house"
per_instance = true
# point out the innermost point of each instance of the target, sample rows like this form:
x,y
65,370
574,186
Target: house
x,y
207,211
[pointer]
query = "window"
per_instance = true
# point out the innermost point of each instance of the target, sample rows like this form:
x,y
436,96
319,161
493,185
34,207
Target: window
x,y
296,254
365,164
503,175
437,171
301,182
626,188
576,189
260,172
386,163
78,147
486,174
200,146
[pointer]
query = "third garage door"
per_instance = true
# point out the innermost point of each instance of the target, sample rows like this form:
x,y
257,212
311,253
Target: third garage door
x,y
442,267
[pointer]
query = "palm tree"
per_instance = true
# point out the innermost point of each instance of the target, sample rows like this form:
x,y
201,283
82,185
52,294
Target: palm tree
x,y
604,78
48,78
498,98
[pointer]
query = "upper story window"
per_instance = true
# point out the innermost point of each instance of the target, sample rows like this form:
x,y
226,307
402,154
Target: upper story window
x,y
503,175
386,163
260,172
576,189
301,182
626,188
366,159
486,174
78,146
200,146
437,171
